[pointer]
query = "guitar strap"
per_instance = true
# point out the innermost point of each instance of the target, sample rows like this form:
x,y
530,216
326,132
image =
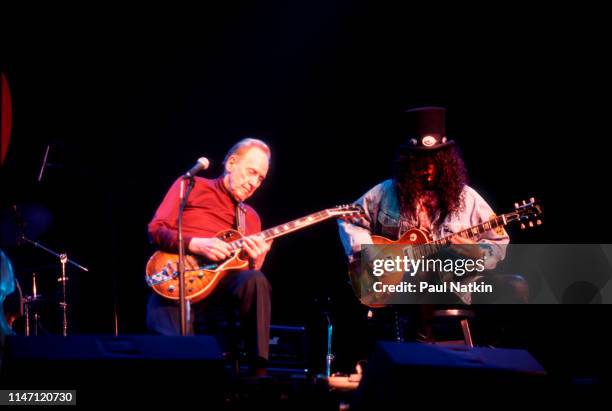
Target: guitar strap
x,y
241,225
241,217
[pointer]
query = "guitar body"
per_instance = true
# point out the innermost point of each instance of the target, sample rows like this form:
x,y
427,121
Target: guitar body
x,y
413,236
201,276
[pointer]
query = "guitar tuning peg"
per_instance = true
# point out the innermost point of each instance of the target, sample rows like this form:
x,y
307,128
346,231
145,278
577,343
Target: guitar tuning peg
x,y
532,200
531,224
516,205
522,226
539,222
524,202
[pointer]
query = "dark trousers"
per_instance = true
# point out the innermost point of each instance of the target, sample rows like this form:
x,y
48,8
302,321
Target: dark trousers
x,y
247,291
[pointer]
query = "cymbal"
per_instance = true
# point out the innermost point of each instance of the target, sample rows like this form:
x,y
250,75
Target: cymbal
x,y
29,219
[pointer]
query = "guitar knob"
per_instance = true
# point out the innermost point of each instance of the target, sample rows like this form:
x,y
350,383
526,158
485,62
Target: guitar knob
x,y
539,222
200,275
522,226
531,224
171,289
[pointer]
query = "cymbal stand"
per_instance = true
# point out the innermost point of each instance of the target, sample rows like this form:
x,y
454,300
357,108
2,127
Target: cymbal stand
x,y
64,303
63,279
28,301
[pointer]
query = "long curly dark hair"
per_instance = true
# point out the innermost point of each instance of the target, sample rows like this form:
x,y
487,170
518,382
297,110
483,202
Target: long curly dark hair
x,y
450,179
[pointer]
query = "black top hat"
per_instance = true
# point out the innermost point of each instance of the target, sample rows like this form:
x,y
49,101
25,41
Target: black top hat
x,y
425,129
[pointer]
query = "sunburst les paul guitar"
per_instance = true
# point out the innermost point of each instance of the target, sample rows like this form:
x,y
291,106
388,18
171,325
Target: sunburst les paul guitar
x,y
529,214
202,276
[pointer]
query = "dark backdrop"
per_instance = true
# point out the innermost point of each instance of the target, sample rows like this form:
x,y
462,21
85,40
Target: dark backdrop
x,y
128,101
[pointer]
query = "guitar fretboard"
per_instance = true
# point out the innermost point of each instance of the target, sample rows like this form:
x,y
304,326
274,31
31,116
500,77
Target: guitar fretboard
x,y
287,228
294,225
436,245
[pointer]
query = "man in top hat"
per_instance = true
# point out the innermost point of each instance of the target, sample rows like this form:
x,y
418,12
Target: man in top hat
x,y
428,191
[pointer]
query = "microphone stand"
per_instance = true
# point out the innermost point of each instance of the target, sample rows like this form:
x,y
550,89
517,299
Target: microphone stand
x,y
184,304
329,358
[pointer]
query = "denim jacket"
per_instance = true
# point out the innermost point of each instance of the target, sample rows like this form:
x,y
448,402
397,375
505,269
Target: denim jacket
x,y
382,217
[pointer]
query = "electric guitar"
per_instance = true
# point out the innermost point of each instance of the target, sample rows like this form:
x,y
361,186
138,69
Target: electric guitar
x,y
202,276
422,245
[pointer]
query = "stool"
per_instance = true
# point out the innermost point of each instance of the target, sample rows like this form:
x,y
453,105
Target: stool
x,y
463,315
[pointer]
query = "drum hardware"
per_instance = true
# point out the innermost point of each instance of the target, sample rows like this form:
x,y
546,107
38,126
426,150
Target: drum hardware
x,y
28,302
63,279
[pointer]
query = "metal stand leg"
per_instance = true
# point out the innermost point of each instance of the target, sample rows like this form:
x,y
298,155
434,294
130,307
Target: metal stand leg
x,y
27,319
64,304
329,358
398,328
466,333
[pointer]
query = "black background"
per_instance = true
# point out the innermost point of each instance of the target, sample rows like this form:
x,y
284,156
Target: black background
x,y
129,100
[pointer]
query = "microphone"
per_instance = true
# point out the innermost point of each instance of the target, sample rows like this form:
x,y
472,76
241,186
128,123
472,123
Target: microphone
x,y
201,165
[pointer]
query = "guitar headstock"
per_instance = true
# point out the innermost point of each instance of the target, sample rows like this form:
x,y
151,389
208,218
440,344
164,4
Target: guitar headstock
x,y
529,213
346,211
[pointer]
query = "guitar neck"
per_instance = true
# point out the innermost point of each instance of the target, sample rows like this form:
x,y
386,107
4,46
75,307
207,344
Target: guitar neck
x,y
472,232
476,230
289,227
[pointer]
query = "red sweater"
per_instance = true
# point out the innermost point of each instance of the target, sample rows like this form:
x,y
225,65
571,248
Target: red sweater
x,y
210,209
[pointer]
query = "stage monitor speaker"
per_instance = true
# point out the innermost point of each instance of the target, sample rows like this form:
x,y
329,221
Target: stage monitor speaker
x,y
399,375
288,349
145,369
